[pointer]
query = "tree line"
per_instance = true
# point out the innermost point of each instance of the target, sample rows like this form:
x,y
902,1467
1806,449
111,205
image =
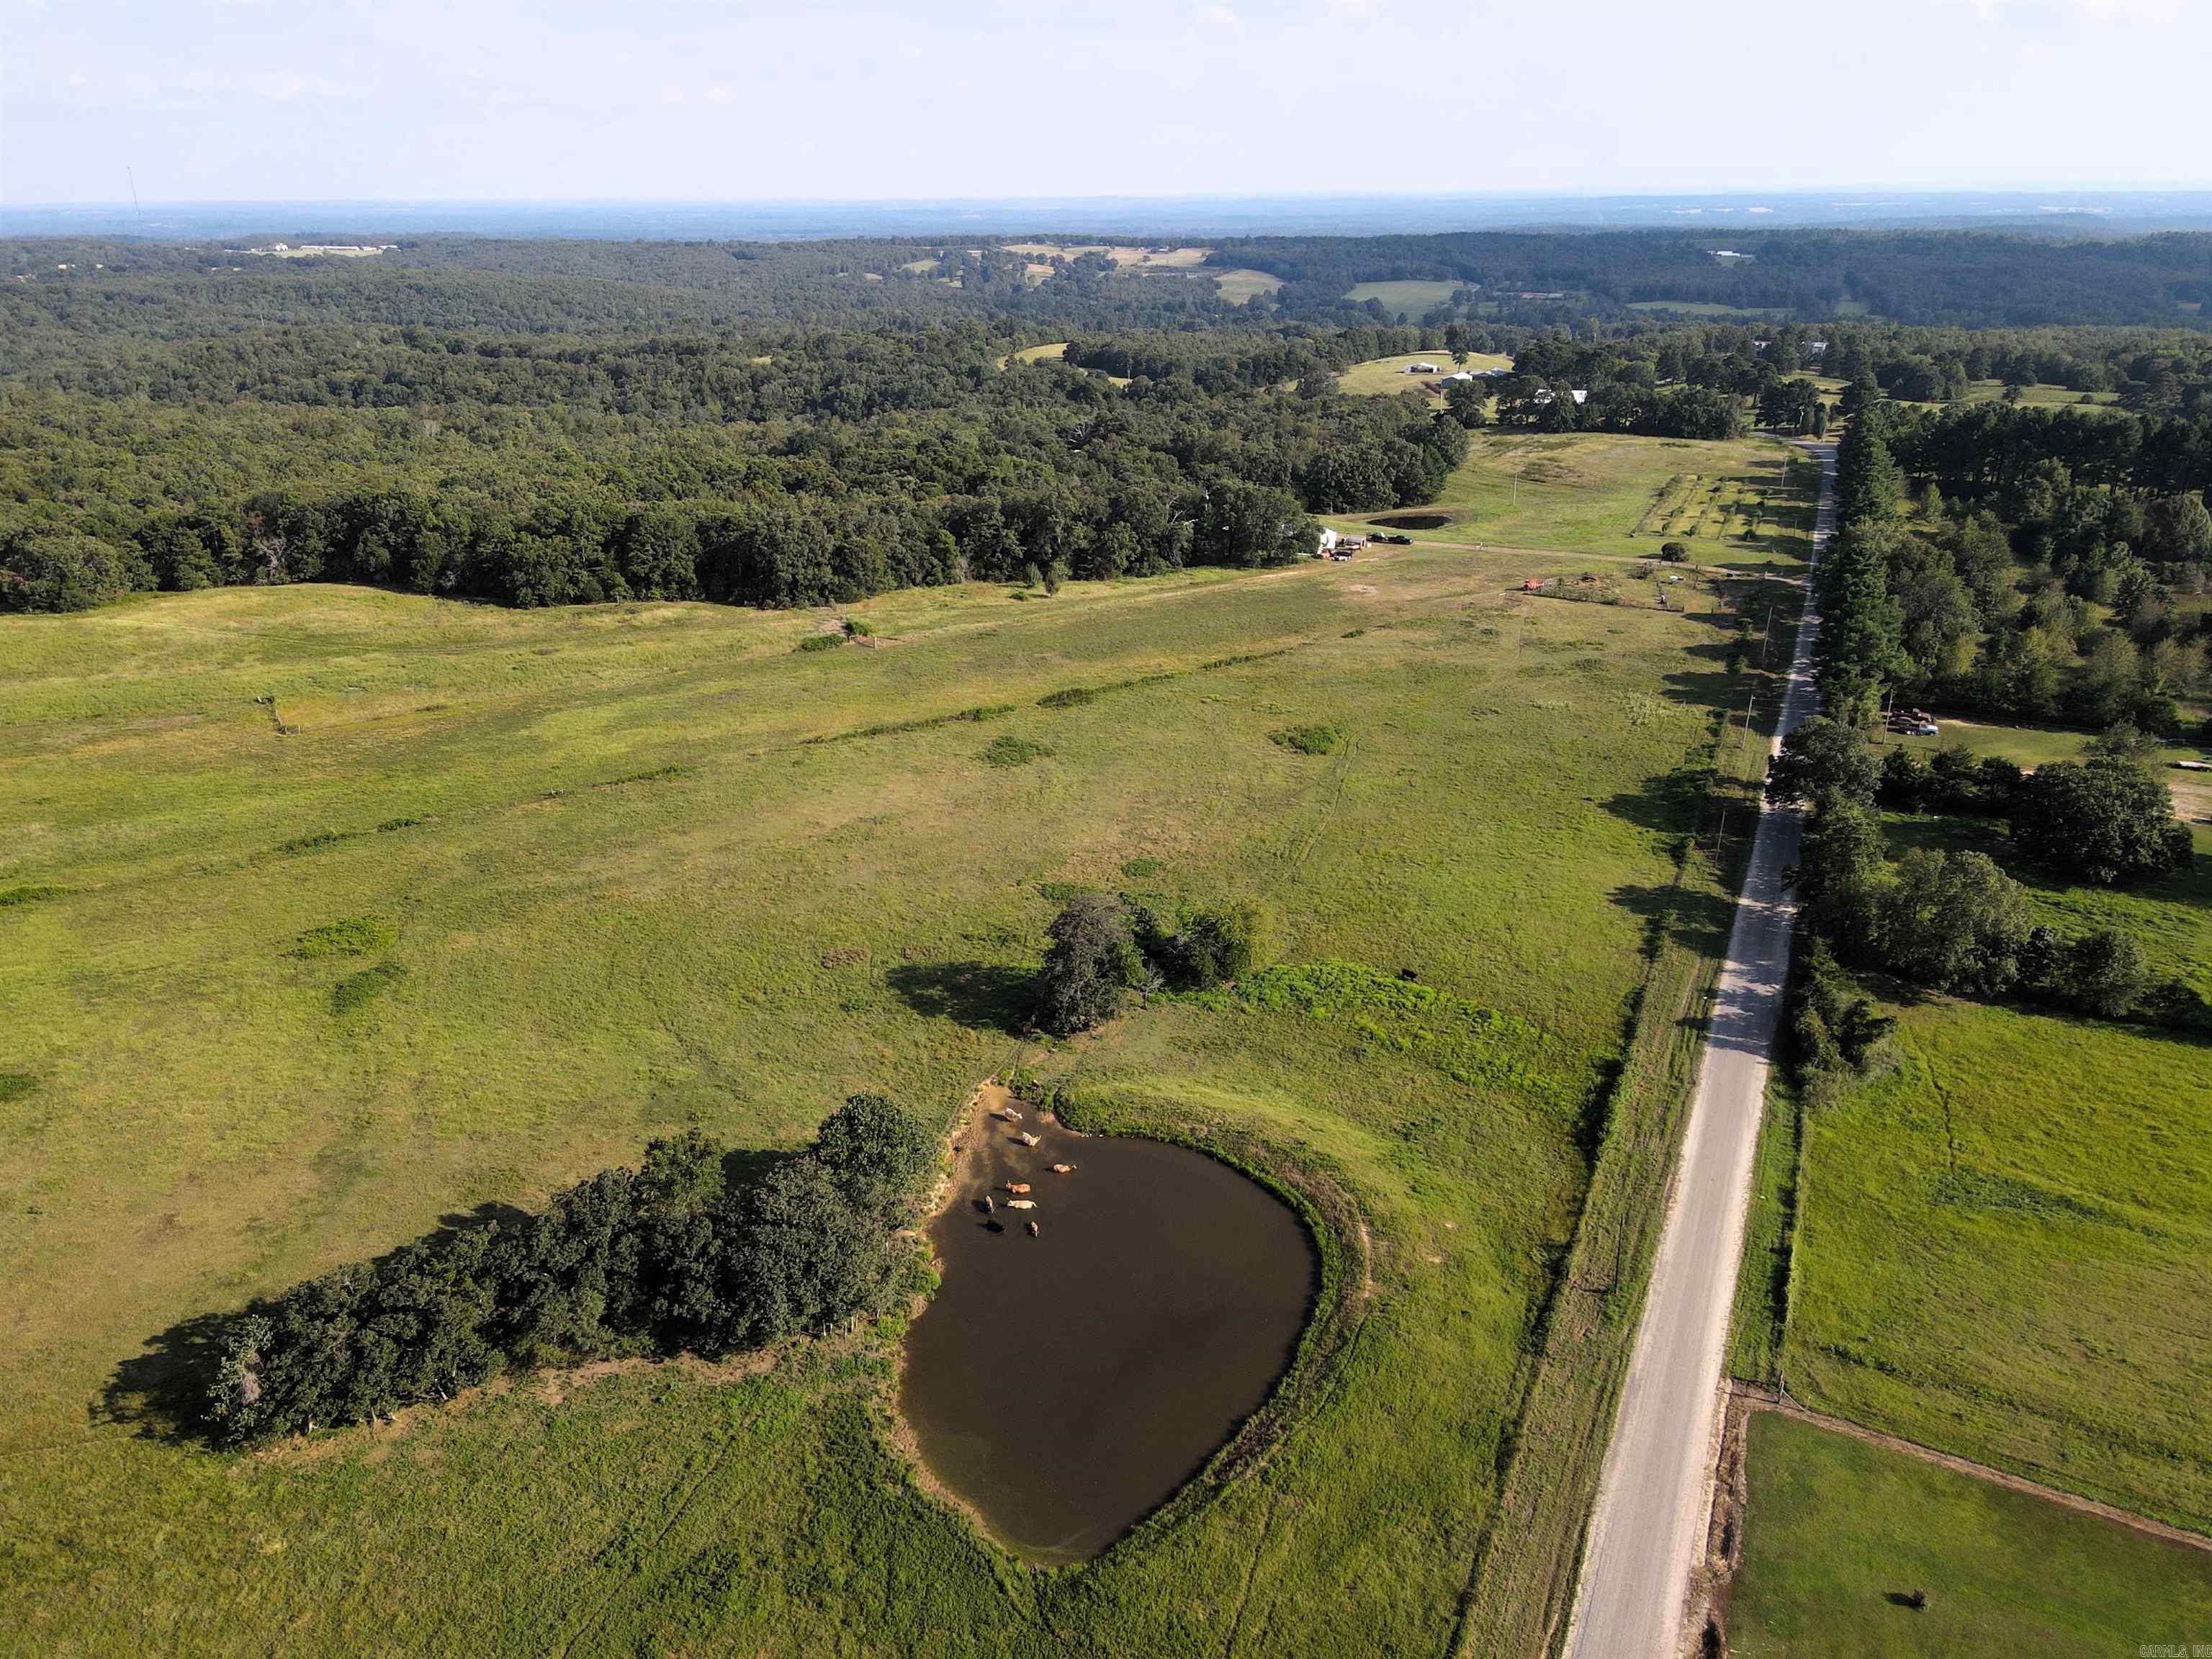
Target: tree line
x,y
691,1251
891,463
1949,920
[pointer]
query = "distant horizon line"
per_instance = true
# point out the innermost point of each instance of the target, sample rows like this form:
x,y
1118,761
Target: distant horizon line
x,y
1890,192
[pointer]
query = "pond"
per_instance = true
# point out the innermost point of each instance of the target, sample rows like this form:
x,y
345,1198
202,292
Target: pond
x,y
1064,1383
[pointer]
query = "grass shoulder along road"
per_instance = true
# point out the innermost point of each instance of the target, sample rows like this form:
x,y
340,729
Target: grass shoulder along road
x,y
1521,1595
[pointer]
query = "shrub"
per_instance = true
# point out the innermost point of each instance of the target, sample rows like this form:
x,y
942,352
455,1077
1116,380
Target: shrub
x,y
357,990
317,839
822,642
857,629
2103,972
356,936
1007,751
1089,965
1307,739
1674,552
1833,1028
1906,782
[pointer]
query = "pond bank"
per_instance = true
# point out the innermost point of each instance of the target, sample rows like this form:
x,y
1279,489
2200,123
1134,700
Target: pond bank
x,y
1065,1382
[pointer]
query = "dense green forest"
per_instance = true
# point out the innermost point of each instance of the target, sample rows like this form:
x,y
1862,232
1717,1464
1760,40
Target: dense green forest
x,y
552,422
1970,279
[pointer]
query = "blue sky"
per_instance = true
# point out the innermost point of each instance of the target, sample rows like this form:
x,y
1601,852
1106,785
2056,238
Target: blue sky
x,y
717,100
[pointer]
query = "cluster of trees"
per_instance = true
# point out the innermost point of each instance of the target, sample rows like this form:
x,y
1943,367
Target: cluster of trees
x,y
1951,920
2073,611
690,1251
1688,411
1103,946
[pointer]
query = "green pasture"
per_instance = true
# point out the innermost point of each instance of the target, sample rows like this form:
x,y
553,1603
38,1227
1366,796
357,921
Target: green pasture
x,y
1703,308
614,871
1625,497
1411,299
1240,287
2002,1250
1838,1534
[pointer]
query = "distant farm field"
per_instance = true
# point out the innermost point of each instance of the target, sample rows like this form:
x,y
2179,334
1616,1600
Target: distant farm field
x,y
1701,308
620,870
1240,287
1125,254
1409,299
1838,1534
1383,376
1625,497
2003,1250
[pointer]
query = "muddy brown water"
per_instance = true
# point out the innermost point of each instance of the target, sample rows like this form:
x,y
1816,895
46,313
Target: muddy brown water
x,y
1064,1385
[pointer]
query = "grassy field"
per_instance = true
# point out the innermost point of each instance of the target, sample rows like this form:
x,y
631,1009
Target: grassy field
x,y
1623,497
1241,287
1702,308
1836,1529
2002,1250
628,868
1126,255
1410,299
1383,377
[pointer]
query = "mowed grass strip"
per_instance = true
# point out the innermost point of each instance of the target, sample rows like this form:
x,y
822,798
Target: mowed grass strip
x,y
738,945
2002,1250
1838,1534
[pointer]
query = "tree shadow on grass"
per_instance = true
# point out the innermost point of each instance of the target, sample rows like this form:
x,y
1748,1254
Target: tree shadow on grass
x,y
1671,803
161,1392
1696,920
986,996
1708,687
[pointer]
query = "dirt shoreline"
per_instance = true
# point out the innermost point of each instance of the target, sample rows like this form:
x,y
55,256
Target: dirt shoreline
x,y
1343,1293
